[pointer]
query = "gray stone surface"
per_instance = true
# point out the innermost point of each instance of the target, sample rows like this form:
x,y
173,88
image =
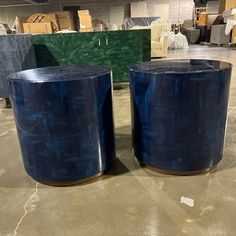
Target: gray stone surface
x,y
129,200
16,54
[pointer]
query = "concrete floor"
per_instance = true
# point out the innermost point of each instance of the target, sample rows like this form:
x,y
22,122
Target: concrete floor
x,y
131,201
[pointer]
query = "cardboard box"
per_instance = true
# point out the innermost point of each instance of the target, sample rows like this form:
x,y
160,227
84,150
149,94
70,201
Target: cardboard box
x,y
86,30
225,5
83,12
65,20
230,4
38,28
85,21
233,38
202,19
19,23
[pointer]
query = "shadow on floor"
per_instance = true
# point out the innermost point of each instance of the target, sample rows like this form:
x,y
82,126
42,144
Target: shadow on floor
x,y
123,142
118,168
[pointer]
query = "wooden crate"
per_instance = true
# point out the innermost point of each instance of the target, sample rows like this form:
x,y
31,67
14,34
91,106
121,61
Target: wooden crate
x,y
38,28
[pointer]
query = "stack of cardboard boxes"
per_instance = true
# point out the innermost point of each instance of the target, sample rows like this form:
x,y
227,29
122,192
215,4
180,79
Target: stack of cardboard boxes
x,y
215,17
85,19
54,22
46,23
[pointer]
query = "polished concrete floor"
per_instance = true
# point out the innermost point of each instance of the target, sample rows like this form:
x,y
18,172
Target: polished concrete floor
x,y
130,200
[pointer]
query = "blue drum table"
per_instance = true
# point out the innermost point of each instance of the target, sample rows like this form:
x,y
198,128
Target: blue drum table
x,y
179,113
64,120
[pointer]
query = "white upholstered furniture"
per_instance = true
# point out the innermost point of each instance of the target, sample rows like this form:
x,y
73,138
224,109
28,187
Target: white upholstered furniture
x,y
159,41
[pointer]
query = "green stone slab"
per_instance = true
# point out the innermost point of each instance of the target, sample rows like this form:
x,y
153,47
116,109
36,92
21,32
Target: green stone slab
x,y
117,50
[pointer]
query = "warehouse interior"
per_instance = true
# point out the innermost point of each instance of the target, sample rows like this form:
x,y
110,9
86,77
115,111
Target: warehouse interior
x,y
69,80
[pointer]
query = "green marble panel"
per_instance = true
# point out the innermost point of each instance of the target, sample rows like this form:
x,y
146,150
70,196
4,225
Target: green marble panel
x,y
117,50
146,42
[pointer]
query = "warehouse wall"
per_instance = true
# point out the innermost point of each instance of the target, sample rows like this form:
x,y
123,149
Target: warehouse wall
x,y
99,9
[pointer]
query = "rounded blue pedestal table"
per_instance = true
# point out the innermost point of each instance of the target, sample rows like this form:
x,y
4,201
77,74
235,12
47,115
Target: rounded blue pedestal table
x,y
64,120
179,112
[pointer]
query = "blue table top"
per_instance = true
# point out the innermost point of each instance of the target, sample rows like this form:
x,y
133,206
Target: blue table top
x,y
59,74
181,66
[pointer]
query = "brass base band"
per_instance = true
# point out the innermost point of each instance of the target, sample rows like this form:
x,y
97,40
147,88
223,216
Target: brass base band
x,y
180,173
70,183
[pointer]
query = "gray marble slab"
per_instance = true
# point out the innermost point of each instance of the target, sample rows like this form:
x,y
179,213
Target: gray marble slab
x,y
16,54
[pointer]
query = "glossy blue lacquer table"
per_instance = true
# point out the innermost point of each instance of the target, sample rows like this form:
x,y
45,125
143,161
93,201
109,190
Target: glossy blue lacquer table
x,y
179,113
64,120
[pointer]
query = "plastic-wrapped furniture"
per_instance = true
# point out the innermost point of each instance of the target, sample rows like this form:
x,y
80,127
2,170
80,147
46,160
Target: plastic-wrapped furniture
x,y
179,112
131,22
64,121
16,54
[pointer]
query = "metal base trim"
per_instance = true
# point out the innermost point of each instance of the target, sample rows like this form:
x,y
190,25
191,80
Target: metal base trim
x,y
179,173
70,183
